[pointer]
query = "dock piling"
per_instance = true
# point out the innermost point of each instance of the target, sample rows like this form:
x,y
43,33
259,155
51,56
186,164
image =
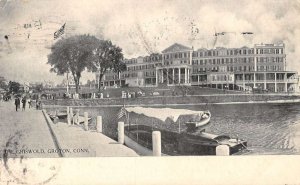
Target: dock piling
x,y
77,117
121,132
156,143
68,115
71,115
222,150
86,121
99,124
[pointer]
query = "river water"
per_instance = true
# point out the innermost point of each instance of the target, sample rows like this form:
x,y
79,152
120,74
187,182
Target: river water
x,y
268,128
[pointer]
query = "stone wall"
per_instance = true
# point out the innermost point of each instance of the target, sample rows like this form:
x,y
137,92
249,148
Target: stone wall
x,y
166,100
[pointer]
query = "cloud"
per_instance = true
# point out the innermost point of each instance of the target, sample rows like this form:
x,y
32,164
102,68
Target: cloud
x,y
140,27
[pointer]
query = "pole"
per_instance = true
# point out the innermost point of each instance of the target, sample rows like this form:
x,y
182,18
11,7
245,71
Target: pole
x,y
71,115
121,132
86,121
156,143
99,124
68,83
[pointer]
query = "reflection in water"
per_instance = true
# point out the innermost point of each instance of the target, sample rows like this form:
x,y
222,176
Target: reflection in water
x,y
268,128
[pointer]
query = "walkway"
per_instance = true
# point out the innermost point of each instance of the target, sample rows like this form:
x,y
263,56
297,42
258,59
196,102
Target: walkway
x,y
24,132
76,142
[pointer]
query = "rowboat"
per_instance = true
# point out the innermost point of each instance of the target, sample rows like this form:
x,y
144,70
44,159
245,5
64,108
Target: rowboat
x,y
80,119
200,123
58,114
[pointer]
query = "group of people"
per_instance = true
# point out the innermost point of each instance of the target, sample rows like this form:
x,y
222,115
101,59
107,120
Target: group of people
x,y
24,101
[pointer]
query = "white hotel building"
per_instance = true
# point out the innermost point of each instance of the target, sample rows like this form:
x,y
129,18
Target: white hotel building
x,y
262,66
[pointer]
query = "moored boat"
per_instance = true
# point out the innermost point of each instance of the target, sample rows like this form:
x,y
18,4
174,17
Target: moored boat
x,y
182,133
203,121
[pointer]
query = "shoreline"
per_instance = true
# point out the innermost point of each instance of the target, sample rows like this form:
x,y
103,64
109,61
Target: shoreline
x,y
183,104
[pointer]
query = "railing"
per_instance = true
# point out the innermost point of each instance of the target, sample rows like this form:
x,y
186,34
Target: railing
x,y
269,81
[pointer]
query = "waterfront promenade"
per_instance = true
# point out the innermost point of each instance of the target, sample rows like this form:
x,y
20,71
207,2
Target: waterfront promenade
x,y
76,142
26,134
23,131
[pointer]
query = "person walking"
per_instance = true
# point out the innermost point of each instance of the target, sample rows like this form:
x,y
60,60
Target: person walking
x,y
17,103
24,103
29,103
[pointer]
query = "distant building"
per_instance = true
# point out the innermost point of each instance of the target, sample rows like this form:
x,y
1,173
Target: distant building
x,y
48,84
262,66
25,87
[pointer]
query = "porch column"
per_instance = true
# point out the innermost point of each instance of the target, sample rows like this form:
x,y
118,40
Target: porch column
x,y
179,75
285,83
244,85
275,82
156,75
198,79
168,76
173,76
254,80
185,75
188,76
162,75
265,80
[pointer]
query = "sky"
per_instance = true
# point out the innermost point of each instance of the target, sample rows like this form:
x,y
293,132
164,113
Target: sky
x,y
140,27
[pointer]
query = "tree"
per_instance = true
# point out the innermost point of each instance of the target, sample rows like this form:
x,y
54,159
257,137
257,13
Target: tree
x,y
39,88
72,55
3,85
107,56
14,87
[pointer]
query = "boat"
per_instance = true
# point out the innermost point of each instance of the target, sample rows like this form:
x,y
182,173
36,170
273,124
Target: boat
x,y
80,119
58,114
203,121
177,138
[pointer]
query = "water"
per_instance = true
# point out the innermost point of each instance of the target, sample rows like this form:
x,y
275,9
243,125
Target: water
x,y
268,128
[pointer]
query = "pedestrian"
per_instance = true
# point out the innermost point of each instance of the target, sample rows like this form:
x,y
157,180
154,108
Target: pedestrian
x,y
23,103
17,103
37,105
29,103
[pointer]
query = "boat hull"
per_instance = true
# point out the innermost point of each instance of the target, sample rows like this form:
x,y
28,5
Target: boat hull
x,y
177,143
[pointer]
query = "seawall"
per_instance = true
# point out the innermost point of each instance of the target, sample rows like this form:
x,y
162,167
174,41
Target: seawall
x,y
177,100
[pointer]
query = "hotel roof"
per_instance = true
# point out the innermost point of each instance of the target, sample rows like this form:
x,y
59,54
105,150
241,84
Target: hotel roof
x,y
176,48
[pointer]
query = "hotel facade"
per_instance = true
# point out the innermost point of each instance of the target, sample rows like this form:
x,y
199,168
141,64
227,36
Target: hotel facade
x,y
262,66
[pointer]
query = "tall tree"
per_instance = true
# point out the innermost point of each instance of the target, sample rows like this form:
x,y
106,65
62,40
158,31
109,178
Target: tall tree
x,y
72,55
107,57
14,87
